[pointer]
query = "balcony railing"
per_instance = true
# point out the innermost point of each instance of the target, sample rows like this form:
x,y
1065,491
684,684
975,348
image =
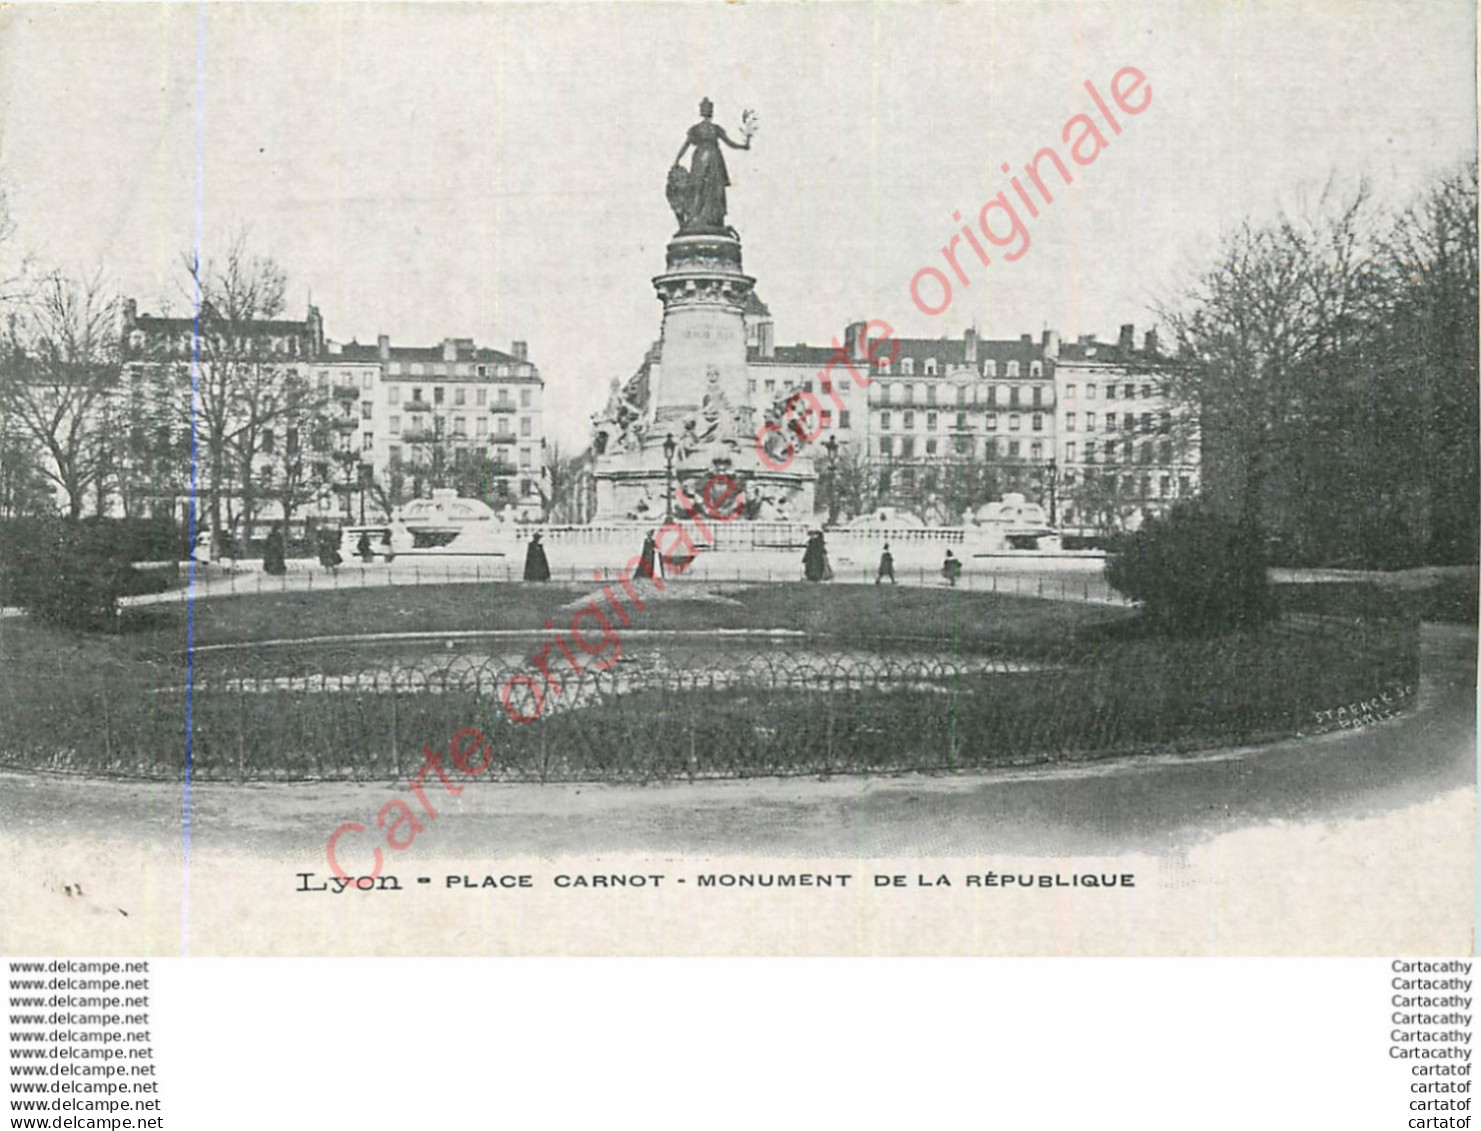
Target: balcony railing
x,y
345,423
417,406
419,435
503,438
501,407
347,392
502,469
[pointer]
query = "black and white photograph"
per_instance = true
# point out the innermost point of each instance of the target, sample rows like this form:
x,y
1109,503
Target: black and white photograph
x,y
768,479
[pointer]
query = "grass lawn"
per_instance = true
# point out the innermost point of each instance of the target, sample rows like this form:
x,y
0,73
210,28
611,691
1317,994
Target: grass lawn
x,y
115,703
843,613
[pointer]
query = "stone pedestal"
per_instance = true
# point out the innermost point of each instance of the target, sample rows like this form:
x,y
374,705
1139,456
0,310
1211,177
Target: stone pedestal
x,y
698,395
703,344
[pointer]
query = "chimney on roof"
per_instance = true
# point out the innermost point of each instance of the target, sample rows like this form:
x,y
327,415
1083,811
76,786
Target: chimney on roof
x,y
1026,339
1152,342
449,349
1051,344
315,326
1127,341
383,347
765,339
521,351
1087,339
854,342
969,339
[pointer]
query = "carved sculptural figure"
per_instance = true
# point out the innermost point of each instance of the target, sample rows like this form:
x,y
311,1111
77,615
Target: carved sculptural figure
x,y
697,194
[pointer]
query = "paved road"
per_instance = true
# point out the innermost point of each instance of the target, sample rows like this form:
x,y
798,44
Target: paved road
x,y
1161,804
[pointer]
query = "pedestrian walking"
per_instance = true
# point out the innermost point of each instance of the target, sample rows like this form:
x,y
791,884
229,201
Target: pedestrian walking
x,y
363,547
815,565
201,551
329,549
275,552
537,567
649,560
951,569
886,566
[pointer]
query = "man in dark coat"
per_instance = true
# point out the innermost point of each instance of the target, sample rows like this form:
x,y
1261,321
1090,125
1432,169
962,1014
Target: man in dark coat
x,y
275,553
537,568
951,569
886,566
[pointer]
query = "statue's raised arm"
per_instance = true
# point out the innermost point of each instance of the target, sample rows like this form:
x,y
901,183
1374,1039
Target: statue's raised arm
x,y
697,194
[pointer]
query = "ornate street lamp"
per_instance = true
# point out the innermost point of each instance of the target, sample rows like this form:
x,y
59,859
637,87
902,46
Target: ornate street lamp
x,y
349,459
1053,488
832,449
669,447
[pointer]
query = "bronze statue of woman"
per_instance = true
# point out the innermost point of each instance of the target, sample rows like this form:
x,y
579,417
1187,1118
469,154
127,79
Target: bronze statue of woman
x,y
698,196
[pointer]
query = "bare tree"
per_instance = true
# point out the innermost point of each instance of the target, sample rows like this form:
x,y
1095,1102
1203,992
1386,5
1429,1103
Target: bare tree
x,y
242,378
1426,346
15,266
1257,334
558,484
301,471
61,364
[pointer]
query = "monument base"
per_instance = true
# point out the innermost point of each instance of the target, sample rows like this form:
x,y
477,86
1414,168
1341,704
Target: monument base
x,y
630,486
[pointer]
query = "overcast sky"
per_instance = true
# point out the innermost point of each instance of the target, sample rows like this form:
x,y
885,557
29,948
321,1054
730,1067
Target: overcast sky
x,y
498,172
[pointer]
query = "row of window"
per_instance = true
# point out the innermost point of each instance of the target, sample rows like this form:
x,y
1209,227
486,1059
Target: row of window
x,y
481,425
460,396
908,421
1111,484
526,455
1128,392
989,368
1112,451
962,446
456,369
1126,451
1008,396
1128,422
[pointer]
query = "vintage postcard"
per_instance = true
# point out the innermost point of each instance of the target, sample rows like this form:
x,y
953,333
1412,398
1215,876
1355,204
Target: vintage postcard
x,y
696,479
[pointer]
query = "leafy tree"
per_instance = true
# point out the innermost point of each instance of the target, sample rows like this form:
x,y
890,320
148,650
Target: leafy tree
x,y
1194,571
24,491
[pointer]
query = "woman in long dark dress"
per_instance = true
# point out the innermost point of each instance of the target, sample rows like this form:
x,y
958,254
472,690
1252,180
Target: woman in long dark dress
x,y
648,560
329,549
537,568
813,559
704,204
274,553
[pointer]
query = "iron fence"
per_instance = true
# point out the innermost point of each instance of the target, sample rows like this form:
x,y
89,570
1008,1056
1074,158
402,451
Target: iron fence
x,y
724,709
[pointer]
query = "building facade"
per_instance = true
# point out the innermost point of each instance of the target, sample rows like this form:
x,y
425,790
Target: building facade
x,y
268,421
942,426
451,415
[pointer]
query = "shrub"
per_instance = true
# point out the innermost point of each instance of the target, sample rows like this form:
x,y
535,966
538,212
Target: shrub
x,y
1194,572
68,573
